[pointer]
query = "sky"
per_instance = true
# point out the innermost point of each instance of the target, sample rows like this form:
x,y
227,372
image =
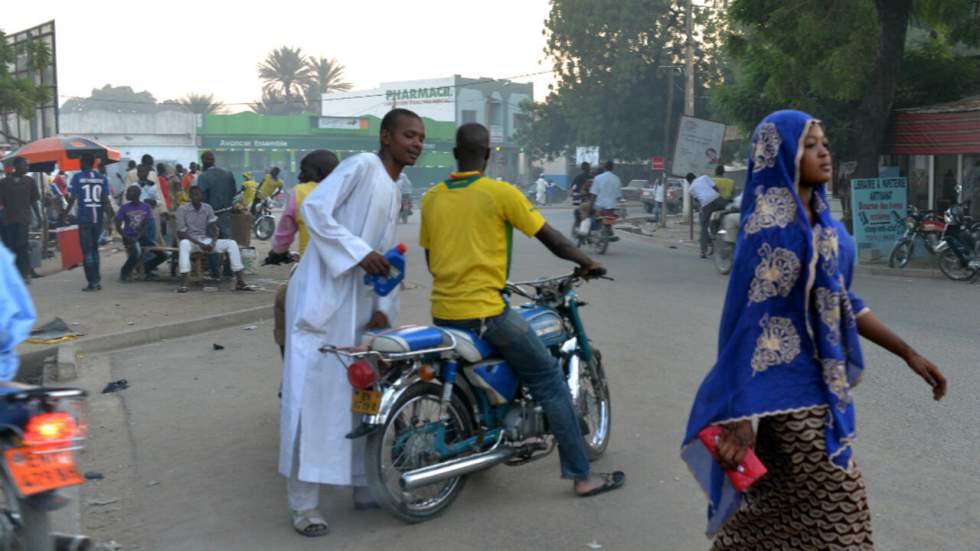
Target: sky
x,y
177,47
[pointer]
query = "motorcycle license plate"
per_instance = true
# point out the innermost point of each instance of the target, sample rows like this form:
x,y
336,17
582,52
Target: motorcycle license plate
x,y
33,473
367,402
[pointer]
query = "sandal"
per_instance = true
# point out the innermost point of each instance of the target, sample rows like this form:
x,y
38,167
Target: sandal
x,y
244,287
182,289
611,481
309,523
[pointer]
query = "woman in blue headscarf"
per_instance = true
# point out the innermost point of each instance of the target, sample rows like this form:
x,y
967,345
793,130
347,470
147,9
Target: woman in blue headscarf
x,y
788,355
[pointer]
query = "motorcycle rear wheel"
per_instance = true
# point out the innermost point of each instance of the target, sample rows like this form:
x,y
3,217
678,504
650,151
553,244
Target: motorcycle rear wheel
x,y
952,268
416,408
901,253
265,227
32,526
722,257
601,243
595,406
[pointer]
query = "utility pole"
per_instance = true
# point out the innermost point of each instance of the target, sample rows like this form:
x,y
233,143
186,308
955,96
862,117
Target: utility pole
x,y
662,222
689,102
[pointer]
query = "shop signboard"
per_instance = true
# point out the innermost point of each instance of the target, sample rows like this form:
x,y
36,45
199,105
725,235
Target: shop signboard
x,y
433,99
875,202
698,147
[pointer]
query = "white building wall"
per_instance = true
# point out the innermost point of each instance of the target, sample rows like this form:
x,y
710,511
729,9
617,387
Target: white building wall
x,y
169,136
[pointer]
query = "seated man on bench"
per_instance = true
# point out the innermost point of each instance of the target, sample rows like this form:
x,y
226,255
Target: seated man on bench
x,y
197,230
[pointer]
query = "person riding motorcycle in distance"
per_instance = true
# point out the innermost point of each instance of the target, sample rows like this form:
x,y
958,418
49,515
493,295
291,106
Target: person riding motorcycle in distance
x,y
466,234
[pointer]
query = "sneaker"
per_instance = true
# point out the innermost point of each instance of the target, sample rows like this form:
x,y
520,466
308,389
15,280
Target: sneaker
x,y
89,289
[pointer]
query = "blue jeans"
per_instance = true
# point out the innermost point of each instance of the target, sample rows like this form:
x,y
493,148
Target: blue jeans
x,y
88,236
134,251
513,338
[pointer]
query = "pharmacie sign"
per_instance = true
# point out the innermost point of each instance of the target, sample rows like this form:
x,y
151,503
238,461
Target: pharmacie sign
x,y
878,207
433,94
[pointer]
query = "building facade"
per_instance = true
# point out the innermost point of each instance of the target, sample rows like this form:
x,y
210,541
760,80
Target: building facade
x,y
936,148
496,104
252,142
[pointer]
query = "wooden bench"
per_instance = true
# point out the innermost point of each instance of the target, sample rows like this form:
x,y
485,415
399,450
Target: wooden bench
x,y
197,262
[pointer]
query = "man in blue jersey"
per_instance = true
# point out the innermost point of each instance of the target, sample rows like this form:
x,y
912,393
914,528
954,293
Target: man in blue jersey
x,y
91,190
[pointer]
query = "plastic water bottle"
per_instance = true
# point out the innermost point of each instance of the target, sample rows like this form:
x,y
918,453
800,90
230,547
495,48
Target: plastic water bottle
x,y
384,285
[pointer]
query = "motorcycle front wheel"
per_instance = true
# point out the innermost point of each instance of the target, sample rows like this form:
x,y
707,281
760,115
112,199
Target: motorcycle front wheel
x,y
406,442
901,253
595,406
722,257
265,227
953,268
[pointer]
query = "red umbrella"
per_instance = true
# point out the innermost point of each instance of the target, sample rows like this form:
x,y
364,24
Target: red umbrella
x,y
66,152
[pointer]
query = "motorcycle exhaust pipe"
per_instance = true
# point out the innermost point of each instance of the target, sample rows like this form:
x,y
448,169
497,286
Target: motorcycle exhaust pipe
x,y
69,542
417,478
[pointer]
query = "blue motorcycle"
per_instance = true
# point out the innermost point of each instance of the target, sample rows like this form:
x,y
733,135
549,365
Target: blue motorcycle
x,y
439,404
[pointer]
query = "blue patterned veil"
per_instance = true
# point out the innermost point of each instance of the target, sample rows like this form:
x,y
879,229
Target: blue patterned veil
x,y
788,339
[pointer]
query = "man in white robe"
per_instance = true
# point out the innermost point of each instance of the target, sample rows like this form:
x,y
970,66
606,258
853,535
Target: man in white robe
x,y
351,220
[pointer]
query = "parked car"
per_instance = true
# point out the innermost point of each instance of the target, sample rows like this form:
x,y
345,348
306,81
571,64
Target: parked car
x,y
674,196
634,190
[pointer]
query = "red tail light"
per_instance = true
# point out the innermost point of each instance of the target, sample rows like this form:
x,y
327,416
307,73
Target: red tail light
x,y
50,428
362,375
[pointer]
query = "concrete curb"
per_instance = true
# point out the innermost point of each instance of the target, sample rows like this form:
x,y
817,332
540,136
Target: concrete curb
x,y
65,367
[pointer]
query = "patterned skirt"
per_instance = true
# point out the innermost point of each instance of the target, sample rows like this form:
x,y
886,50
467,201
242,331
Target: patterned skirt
x,y
804,503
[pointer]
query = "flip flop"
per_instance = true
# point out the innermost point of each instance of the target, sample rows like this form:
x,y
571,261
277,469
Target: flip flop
x,y
245,287
309,523
611,481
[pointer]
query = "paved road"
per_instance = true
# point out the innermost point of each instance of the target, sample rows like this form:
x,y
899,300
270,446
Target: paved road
x,y
190,449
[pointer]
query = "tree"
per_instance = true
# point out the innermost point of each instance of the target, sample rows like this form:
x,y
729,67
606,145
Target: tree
x,y
843,60
118,99
284,73
202,104
274,103
611,60
20,96
325,76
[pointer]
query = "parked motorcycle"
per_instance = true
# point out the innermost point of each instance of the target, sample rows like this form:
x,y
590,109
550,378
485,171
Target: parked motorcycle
x,y
723,227
958,250
597,231
40,428
264,224
918,225
440,403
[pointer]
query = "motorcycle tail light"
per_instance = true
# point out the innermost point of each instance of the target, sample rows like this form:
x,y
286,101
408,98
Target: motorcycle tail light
x,y
51,428
362,375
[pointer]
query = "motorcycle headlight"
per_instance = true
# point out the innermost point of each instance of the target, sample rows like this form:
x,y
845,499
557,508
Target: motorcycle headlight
x,y
910,223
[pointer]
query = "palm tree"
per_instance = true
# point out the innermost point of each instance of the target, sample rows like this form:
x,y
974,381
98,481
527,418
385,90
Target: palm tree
x,y
325,76
274,103
284,73
202,104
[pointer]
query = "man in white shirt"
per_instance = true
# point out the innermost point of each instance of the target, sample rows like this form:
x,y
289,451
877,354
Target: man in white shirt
x,y
703,189
541,190
608,189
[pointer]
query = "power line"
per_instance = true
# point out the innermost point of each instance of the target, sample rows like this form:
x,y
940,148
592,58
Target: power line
x,y
300,100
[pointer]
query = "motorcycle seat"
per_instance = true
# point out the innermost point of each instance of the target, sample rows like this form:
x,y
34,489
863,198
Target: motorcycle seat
x,y
469,346
407,338
418,338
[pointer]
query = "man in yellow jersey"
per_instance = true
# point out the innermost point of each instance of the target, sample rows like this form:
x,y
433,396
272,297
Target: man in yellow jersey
x,y
249,188
313,169
725,186
467,224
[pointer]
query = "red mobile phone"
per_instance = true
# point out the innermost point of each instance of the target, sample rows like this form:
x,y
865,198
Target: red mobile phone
x,y
748,472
